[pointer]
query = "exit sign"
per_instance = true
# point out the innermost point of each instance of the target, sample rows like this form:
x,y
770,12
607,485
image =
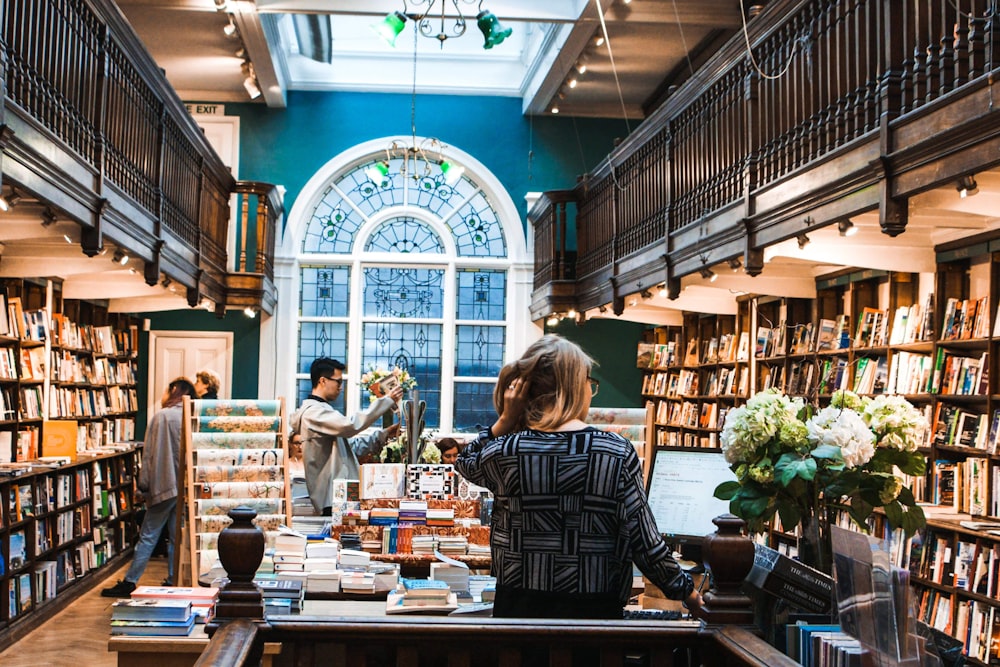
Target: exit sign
x,y
206,109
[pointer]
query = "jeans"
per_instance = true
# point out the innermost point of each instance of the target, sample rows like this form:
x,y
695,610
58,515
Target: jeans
x,y
157,516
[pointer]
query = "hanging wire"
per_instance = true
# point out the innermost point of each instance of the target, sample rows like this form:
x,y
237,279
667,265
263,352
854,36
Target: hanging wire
x,y
680,29
614,68
753,59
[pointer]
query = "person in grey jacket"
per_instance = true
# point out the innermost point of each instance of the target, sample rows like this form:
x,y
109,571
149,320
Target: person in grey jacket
x,y
159,485
331,443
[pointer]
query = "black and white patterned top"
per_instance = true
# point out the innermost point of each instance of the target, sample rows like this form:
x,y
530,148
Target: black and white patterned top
x,y
570,514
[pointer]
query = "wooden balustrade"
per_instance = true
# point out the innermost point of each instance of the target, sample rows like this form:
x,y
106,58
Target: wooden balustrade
x,y
818,81
101,136
723,639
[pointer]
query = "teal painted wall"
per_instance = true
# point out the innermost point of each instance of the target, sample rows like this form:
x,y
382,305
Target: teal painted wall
x,y
612,345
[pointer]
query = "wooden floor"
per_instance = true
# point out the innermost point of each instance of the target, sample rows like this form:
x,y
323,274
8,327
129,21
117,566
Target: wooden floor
x,y
78,635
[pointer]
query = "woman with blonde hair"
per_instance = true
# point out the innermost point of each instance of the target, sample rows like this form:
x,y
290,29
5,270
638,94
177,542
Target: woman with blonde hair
x,y
570,514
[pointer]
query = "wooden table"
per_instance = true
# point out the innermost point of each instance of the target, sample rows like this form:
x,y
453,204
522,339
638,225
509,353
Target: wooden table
x,y
172,651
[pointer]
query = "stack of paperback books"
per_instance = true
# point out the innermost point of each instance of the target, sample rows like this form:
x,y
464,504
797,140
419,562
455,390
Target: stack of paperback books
x,y
421,596
152,617
201,598
281,596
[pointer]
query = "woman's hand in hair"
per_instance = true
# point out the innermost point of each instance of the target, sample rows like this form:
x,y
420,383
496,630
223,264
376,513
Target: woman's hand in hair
x,y
515,398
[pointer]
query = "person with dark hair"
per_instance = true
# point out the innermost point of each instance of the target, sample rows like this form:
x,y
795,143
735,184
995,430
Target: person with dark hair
x,y
449,448
331,444
571,514
206,384
159,486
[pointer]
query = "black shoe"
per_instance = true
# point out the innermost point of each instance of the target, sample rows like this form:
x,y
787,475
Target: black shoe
x,y
166,582
122,589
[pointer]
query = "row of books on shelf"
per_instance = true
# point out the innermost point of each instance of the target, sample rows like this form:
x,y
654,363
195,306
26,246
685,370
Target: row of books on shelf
x,y
967,318
72,367
15,322
101,339
671,384
696,439
724,348
58,529
691,414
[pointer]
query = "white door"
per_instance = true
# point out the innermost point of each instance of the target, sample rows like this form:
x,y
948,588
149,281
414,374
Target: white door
x,y
184,353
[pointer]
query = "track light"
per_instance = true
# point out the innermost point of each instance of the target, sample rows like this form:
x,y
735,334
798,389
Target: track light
x,y
735,264
68,239
10,201
598,40
633,302
206,304
646,294
166,281
708,274
553,320
967,187
230,29
581,66
120,257
241,53
390,27
663,291
252,88
572,83
48,217
555,109
803,241
847,228
250,312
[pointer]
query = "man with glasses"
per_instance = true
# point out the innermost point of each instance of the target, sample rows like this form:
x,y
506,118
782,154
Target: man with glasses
x,y
332,442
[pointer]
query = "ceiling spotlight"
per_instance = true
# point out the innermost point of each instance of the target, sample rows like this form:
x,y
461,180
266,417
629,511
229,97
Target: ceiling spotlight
x,y
553,320
10,201
708,274
555,109
252,87
572,82
48,217
230,29
120,257
68,239
250,312
847,228
598,40
602,308
735,264
166,281
581,66
633,302
663,291
803,241
206,304
967,187
241,53
646,294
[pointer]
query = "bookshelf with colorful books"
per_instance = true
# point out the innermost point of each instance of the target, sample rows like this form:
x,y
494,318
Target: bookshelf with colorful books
x,y
50,536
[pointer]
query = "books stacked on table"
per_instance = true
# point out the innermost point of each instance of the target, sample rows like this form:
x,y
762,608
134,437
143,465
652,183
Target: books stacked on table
x,y
350,541
479,583
413,511
352,558
311,525
326,548
383,516
357,581
202,598
452,545
323,581
152,617
478,550
386,575
421,596
440,516
289,550
423,544
456,576
281,596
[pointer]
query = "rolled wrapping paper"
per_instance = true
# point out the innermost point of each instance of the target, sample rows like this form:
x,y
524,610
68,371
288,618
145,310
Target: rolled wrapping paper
x,y
228,440
265,424
236,408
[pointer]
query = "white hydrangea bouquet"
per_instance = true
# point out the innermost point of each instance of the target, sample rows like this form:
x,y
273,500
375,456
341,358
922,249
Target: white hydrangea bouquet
x,y
798,462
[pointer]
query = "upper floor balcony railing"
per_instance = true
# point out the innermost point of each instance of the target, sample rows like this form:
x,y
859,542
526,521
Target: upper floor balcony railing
x,y
92,128
810,81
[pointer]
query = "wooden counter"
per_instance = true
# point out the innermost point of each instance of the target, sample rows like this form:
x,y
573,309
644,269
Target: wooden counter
x,y
172,651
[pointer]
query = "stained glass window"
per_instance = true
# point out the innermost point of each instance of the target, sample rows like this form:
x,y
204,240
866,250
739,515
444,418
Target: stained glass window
x,y
415,348
404,293
325,291
402,318
405,235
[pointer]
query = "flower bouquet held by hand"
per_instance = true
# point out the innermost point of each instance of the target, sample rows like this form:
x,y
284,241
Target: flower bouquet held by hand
x,y
379,382
801,463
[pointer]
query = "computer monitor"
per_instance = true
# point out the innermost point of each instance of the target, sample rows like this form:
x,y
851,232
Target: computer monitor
x,y
681,492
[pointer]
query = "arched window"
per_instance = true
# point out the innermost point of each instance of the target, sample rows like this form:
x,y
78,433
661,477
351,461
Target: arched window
x,y
409,270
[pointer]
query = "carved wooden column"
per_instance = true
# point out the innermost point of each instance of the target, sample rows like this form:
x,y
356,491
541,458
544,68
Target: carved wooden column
x,y
729,556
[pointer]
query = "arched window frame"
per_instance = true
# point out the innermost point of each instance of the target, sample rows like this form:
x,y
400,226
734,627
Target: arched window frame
x,y
281,330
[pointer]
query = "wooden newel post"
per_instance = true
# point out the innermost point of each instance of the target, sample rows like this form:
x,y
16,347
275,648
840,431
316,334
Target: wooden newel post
x,y
729,555
241,549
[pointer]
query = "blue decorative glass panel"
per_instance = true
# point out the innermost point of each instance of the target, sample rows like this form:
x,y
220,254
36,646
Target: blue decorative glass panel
x,y
413,347
478,232
405,235
482,294
407,293
473,405
332,226
325,291
368,196
479,350
321,339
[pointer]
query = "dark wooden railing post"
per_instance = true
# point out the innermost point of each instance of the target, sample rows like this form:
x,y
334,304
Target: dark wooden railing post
x,y
241,550
729,556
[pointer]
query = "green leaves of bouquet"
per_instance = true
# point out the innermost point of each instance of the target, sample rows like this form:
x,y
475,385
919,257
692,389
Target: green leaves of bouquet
x,y
799,463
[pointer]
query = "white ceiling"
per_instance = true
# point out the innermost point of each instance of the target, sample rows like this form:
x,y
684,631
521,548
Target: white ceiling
x,y
648,40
